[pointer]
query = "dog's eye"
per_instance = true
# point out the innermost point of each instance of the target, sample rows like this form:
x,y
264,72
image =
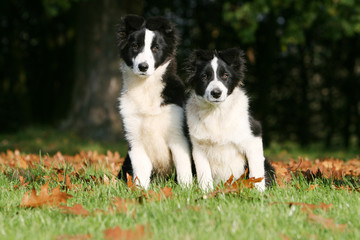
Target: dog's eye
x,y
225,76
134,46
155,48
203,76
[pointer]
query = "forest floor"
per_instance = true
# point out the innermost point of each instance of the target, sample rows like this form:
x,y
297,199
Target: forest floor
x,y
74,194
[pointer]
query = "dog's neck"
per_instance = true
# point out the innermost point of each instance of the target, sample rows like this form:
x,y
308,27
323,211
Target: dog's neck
x,y
237,99
131,80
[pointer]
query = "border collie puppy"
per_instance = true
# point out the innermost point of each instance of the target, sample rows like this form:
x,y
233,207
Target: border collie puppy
x,y
225,137
151,101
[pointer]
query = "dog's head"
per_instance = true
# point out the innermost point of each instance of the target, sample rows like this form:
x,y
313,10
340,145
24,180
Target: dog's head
x,y
144,45
214,75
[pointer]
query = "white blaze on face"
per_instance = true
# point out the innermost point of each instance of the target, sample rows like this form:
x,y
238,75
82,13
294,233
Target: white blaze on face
x,y
216,85
145,56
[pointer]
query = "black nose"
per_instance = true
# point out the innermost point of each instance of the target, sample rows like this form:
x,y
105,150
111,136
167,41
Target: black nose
x,y
143,67
216,92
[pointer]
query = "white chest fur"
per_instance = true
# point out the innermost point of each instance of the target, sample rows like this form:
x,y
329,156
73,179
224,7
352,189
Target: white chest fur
x,y
146,122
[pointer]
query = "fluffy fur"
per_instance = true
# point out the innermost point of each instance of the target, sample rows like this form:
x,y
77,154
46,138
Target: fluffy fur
x,y
225,137
151,101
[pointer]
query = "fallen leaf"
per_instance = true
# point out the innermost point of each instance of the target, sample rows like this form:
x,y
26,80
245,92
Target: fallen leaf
x,y
33,200
284,237
157,196
326,222
231,186
117,233
313,186
121,205
77,209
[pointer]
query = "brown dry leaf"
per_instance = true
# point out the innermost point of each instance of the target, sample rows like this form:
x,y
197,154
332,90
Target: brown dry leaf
x,y
230,180
121,205
60,177
73,237
22,183
313,186
284,237
77,209
236,186
117,233
326,222
130,183
347,188
154,196
44,198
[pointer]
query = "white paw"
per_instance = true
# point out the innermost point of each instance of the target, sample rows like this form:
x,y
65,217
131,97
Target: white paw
x,y
144,183
206,186
260,186
185,181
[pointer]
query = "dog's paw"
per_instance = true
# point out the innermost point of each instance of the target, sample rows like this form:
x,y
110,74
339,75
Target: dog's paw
x,y
260,186
144,183
206,186
185,181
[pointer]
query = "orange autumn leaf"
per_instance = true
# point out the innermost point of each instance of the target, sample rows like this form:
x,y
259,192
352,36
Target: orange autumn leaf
x,y
313,186
232,186
157,196
117,233
121,205
77,209
30,199
130,182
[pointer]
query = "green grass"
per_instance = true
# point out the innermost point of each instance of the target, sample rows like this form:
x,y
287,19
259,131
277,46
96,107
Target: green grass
x,y
248,215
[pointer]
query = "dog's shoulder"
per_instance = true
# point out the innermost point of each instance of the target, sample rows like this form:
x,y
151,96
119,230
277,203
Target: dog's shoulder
x,y
174,88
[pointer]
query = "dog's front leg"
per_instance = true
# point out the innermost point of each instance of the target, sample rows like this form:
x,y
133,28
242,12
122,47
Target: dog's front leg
x,y
141,164
203,169
255,156
181,155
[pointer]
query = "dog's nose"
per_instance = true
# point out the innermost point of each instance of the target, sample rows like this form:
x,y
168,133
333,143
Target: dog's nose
x,y
143,67
216,92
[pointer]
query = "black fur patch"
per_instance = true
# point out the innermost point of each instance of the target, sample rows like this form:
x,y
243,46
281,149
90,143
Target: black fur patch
x,y
255,126
270,177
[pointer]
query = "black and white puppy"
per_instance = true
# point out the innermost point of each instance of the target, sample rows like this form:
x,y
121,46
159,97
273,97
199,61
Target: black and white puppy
x,y
151,101
225,137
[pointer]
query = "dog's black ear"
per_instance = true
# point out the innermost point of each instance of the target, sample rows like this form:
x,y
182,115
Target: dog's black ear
x,y
235,58
161,24
127,25
164,26
195,58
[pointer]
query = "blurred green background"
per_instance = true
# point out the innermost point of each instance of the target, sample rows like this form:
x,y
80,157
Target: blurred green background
x,y
59,76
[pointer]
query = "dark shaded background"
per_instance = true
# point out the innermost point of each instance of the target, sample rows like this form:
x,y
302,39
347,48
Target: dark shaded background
x,y
59,62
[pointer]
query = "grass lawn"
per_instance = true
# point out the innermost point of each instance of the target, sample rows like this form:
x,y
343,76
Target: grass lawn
x,y
247,214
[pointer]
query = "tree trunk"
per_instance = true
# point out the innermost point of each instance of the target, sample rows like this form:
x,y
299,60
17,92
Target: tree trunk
x,y
94,110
